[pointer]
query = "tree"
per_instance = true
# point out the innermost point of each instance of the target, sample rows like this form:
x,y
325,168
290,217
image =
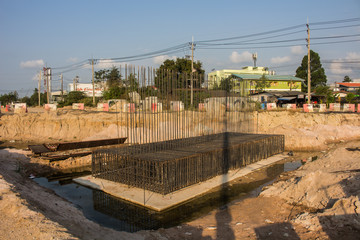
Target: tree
x,y
101,75
132,83
72,97
114,92
9,98
176,74
322,90
262,84
349,97
326,92
317,72
113,77
215,86
34,98
26,100
347,79
227,84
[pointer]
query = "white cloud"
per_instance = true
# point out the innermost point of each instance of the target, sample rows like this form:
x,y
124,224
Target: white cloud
x,y
32,64
297,50
72,59
235,57
352,56
36,77
106,64
339,66
160,59
278,60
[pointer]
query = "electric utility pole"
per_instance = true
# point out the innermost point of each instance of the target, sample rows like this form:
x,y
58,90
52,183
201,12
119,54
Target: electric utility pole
x,y
93,84
191,73
62,87
309,69
46,76
39,87
49,76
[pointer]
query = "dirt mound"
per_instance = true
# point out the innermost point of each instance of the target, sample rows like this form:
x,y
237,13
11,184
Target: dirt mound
x,y
330,186
310,131
66,125
24,222
28,211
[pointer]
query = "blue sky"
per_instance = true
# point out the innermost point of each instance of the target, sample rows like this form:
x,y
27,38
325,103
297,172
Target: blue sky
x,y
35,34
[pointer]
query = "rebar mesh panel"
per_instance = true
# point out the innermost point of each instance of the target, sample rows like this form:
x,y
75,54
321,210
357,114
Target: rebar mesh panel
x,y
164,167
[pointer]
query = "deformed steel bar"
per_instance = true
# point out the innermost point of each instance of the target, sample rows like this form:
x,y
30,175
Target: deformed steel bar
x,y
164,167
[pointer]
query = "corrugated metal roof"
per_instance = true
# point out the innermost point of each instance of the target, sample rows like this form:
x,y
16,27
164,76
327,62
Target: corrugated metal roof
x,y
269,77
348,84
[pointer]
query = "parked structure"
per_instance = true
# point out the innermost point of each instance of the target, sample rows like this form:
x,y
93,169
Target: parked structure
x,y
280,97
272,82
253,75
87,89
348,86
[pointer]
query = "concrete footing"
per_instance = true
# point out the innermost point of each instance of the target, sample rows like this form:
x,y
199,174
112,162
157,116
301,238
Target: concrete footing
x,y
159,202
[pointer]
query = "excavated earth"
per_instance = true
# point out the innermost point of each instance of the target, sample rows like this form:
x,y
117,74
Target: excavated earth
x,y
320,200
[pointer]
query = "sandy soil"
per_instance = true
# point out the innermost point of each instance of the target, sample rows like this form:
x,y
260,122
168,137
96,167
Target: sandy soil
x,y
318,201
303,131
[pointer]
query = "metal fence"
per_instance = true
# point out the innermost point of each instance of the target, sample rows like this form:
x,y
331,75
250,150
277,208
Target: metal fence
x,y
157,105
168,166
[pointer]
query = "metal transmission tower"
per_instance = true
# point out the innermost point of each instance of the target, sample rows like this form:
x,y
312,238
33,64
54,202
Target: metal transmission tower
x,y
254,56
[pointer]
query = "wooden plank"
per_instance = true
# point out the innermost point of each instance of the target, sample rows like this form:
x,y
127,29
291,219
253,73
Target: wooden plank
x,y
54,147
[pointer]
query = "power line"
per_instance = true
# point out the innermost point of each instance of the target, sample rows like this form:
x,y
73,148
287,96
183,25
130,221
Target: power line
x,y
279,41
71,69
327,28
252,40
150,54
210,44
341,36
285,66
336,21
71,65
278,46
253,35
345,41
252,43
341,61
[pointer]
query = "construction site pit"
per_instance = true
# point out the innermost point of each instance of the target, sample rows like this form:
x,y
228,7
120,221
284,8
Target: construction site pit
x,y
118,214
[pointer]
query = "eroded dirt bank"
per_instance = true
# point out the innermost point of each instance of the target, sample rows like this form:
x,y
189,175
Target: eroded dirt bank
x,y
309,131
303,131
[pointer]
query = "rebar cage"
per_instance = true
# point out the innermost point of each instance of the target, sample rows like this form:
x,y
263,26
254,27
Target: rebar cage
x,y
164,167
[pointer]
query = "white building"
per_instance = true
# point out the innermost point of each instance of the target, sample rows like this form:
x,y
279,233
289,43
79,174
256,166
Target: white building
x,y
87,88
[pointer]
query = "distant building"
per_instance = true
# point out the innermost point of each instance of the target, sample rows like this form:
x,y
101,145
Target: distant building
x,y
87,88
58,96
274,82
279,97
252,75
347,86
215,77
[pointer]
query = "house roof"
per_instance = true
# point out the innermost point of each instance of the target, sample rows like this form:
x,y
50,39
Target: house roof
x,y
280,93
269,77
349,84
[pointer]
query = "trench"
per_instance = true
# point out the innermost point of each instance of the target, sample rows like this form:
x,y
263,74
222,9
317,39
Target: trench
x,y
115,213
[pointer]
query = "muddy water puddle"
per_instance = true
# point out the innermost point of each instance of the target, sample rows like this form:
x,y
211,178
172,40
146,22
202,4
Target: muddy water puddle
x,y
121,215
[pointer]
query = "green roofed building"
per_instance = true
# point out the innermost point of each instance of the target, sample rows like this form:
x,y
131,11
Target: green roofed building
x,y
251,77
